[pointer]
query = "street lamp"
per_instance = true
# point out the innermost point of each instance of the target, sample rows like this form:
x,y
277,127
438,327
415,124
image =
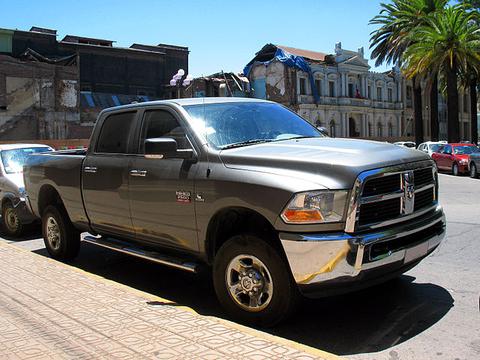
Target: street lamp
x,y
179,79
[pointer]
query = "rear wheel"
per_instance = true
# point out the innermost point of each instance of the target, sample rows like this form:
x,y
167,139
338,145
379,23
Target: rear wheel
x,y
252,281
473,171
11,221
455,169
61,239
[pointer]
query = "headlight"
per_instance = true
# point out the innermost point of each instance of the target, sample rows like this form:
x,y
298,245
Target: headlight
x,y
316,207
464,161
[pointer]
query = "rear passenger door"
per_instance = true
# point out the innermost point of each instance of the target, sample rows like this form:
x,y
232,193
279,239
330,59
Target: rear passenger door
x,y
162,189
105,176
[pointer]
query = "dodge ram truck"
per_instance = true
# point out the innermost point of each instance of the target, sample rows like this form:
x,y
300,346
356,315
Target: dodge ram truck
x,y
247,189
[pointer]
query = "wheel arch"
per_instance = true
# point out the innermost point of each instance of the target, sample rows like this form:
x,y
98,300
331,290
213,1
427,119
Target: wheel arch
x,y
48,195
231,221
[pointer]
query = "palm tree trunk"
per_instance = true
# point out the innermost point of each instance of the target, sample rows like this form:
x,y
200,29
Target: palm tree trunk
x,y
434,109
473,112
452,104
417,110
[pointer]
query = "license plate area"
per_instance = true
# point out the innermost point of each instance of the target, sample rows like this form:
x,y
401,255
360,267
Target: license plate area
x,y
415,252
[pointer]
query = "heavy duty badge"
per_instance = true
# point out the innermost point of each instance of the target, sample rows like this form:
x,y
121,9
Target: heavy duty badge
x,y
184,196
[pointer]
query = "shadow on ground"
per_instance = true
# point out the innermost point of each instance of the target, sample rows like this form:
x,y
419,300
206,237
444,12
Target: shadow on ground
x,y
366,321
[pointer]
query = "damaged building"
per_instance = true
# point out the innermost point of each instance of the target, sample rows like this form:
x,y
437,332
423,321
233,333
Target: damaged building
x,y
339,92
53,88
218,84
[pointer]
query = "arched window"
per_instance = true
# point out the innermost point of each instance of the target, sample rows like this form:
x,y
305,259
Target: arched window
x,y
332,128
379,129
370,129
390,129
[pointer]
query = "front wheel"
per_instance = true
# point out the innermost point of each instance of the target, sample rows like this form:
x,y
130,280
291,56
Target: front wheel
x,y
473,171
253,282
455,169
61,239
11,221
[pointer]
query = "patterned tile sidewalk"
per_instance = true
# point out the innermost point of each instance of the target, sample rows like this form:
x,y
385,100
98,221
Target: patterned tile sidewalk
x,y
52,310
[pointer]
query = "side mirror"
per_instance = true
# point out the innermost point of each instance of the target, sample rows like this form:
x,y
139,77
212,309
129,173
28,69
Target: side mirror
x,y
164,148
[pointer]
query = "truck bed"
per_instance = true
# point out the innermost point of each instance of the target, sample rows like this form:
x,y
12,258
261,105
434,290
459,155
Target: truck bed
x,y
60,171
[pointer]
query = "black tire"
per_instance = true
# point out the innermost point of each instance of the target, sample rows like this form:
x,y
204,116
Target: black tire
x,y
65,245
455,169
12,224
473,171
284,296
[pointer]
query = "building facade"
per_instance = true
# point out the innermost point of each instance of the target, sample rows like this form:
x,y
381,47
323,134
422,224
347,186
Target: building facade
x,y
339,92
101,75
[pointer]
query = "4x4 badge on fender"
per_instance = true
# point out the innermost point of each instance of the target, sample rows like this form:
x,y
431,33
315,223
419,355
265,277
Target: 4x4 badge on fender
x,y
183,196
408,199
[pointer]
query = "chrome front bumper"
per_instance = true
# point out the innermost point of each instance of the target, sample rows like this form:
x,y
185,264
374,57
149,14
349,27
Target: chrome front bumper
x,y
324,258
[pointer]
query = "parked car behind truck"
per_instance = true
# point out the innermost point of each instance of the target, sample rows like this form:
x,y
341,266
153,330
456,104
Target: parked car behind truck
x,y
454,157
15,214
248,188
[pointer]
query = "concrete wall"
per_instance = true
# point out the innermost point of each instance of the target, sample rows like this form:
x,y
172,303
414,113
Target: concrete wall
x,y
37,100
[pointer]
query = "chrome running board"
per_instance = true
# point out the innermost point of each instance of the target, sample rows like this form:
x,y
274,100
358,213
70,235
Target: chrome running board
x,y
126,248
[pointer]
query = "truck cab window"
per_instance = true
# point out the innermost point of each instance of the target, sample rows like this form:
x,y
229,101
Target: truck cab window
x,y
161,123
114,134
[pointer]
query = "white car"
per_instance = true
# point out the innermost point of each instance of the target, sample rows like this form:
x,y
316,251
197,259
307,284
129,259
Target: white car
x,y
408,144
12,188
430,147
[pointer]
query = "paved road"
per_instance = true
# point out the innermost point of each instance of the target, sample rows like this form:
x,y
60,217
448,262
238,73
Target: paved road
x,y
431,312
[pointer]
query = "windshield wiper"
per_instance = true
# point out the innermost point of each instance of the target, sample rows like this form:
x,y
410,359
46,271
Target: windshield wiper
x,y
245,143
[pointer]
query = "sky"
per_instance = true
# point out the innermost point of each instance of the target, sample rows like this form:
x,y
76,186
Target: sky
x,y
221,35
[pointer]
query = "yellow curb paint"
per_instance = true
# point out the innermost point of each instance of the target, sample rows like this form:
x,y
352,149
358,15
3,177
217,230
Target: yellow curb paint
x,y
257,333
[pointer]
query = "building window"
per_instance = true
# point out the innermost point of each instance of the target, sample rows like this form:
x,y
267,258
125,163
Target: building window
x,y
390,129
390,95
350,90
370,129
379,93
318,86
409,92
332,128
303,86
379,129
369,92
331,88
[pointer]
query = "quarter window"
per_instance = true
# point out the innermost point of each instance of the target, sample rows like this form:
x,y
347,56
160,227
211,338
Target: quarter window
x,y
115,132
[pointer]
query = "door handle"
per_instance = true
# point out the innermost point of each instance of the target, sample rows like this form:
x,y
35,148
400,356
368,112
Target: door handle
x,y
139,173
90,169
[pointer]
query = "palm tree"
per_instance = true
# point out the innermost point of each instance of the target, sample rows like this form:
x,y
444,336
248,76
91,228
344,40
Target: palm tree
x,y
396,22
471,79
448,43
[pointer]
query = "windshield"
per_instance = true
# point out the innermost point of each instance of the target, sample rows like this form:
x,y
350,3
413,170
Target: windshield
x,y
13,160
435,147
228,125
465,150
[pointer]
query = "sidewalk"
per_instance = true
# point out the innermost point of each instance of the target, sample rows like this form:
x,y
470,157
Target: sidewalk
x,y
51,310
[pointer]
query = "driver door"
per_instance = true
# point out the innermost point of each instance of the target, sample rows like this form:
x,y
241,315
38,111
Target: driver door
x,y
161,190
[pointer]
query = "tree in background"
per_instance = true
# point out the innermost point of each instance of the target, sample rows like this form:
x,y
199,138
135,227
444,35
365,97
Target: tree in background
x,y
471,79
397,20
447,42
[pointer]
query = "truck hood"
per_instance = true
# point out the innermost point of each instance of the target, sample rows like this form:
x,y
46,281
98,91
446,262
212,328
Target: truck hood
x,y
330,163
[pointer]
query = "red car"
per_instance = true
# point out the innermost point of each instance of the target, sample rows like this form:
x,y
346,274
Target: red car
x,y
454,157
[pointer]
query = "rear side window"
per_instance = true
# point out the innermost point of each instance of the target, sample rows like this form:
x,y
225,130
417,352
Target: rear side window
x,y
114,134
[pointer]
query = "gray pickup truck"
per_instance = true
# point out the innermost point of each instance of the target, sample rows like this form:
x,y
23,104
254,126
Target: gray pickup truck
x,y
247,188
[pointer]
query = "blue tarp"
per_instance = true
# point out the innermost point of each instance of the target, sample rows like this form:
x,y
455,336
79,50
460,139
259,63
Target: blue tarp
x,y
297,62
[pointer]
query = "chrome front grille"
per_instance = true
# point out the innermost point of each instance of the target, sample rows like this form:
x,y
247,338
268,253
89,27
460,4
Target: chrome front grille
x,y
387,196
